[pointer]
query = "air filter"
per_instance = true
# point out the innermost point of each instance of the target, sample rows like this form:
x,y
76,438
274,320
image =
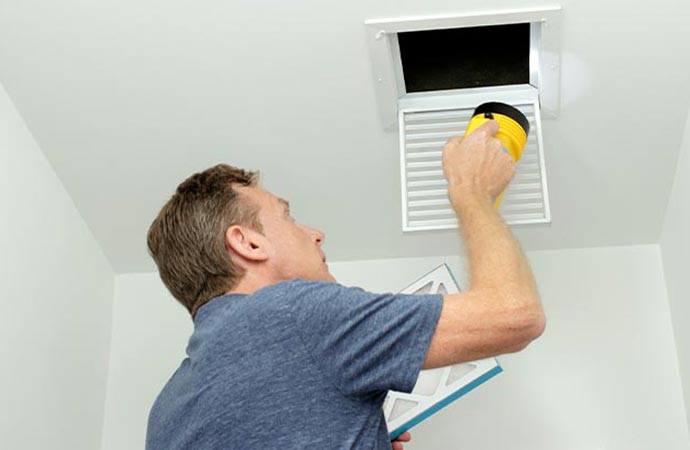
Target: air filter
x,y
435,388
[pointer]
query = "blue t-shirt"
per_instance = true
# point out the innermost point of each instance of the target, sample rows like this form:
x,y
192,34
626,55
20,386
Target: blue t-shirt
x,y
295,365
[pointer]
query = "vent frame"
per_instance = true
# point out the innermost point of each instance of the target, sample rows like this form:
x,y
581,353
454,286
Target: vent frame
x,y
382,39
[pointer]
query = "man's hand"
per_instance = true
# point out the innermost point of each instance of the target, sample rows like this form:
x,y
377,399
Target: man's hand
x,y
477,162
397,443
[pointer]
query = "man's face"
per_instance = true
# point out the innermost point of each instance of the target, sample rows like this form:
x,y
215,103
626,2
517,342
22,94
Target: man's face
x,y
294,249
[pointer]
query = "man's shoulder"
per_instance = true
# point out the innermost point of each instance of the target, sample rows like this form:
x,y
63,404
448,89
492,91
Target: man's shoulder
x,y
298,297
298,288
284,295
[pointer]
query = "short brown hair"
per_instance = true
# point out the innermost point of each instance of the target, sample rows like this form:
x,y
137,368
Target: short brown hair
x,y
187,239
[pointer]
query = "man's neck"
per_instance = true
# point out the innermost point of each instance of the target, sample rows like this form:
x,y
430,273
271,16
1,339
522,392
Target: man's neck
x,y
251,283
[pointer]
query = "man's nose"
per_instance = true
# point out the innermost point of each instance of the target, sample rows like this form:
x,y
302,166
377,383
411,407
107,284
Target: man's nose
x,y
318,236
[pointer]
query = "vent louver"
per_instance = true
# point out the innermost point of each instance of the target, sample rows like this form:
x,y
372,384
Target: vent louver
x,y
423,133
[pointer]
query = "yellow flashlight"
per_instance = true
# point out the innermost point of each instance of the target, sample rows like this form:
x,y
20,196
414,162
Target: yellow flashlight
x,y
513,132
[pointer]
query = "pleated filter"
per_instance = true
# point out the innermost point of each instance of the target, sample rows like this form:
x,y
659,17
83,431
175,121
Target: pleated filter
x,y
424,132
435,388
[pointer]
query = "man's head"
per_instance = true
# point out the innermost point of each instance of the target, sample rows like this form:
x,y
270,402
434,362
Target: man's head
x,y
283,250
220,232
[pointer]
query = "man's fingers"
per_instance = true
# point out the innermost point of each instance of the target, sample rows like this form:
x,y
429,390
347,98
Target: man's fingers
x,y
405,437
397,443
490,127
456,139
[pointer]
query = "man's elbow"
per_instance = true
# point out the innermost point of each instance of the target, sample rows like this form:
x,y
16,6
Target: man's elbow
x,y
537,324
529,327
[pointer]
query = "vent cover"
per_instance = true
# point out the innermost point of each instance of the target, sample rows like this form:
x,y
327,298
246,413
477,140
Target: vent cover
x,y
423,133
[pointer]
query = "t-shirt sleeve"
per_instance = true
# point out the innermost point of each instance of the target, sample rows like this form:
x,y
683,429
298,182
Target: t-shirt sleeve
x,y
364,342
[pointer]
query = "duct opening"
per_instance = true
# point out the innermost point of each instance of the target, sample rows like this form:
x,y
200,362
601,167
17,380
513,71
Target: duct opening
x,y
461,58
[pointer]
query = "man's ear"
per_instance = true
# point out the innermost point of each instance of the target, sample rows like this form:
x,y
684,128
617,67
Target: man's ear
x,y
246,243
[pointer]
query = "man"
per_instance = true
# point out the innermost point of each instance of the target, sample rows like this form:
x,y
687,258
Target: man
x,y
284,357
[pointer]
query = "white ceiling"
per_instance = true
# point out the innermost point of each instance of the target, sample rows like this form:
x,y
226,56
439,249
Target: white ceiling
x,y
128,97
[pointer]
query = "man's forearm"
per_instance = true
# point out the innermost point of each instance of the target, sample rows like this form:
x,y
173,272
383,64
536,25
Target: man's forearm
x,y
496,261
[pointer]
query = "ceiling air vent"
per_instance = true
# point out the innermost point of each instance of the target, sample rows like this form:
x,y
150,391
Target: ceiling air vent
x,y
430,74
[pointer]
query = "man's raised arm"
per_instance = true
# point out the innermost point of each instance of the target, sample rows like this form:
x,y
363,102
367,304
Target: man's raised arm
x,y
501,311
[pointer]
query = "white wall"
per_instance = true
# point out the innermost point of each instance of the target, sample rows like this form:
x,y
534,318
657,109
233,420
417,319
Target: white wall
x,y
675,250
55,306
149,337
603,376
